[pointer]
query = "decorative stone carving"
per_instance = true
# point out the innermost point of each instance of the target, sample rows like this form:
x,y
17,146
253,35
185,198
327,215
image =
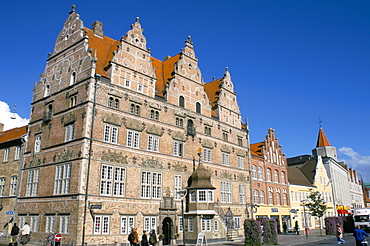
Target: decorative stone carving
x,y
134,125
226,175
225,148
113,157
69,119
178,167
66,155
179,136
240,152
207,144
35,162
152,129
152,163
112,119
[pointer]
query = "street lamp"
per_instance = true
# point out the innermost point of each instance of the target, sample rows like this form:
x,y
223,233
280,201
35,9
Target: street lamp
x,y
183,193
303,203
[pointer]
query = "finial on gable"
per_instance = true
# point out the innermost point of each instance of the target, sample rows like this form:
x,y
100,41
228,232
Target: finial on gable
x,y
227,73
188,42
73,10
137,19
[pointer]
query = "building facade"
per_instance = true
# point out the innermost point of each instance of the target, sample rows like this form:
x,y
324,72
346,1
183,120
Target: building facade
x,y
270,189
11,154
115,134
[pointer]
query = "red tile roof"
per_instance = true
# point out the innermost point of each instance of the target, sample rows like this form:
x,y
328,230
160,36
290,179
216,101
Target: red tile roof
x,y
12,134
256,149
322,141
213,91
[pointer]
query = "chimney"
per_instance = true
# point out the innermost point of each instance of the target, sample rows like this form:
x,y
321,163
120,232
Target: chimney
x,y
97,28
1,127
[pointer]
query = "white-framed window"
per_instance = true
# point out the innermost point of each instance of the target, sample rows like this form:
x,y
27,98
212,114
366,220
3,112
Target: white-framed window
x,y
154,114
69,129
127,83
140,87
268,174
278,202
49,223
153,143
150,223
260,173
32,182
113,180
64,221
38,144
179,122
72,101
181,224
178,148
226,192
236,222
101,224
34,223
135,108
225,159
208,130
113,102
151,185
282,175
6,154
285,199
2,186
21,220
178,186
215,225
133,139
110,134
62,179
193,196
240,162
262,197
254,172
207,155
255,196
270,197
206,224
13,186
276,176
47,90
190,224
127,223
242,198
17,153
72,79
205,195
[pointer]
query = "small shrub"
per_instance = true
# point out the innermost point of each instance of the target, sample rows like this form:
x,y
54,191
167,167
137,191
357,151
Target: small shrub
x,y
252,231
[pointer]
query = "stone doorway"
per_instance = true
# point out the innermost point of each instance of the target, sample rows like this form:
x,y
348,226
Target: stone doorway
x,y
167,229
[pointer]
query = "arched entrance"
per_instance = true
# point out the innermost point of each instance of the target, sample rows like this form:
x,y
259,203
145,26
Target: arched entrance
x,y
167,226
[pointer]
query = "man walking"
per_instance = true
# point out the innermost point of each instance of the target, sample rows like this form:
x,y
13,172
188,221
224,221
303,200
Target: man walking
x,y
25,234
340,239
14,234
359,235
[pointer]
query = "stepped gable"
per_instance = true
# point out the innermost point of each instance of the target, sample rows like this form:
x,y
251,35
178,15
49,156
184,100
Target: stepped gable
x,y
322,140
13,134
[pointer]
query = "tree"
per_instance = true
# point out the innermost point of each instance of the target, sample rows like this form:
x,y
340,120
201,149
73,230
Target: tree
x,y
316,205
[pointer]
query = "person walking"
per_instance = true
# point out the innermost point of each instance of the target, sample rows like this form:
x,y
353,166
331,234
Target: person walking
x,y
339,233
144,239
296,227
153,238
14,234
133,237
25,234
359,235
285,227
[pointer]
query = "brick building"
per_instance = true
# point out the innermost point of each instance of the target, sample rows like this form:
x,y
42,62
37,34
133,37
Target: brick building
x,y
125,166
11,149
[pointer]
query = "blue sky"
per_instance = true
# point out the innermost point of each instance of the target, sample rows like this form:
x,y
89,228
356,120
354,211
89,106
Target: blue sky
x,y
292,62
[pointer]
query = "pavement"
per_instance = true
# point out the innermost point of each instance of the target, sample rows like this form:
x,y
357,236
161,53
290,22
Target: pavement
x,y
284,240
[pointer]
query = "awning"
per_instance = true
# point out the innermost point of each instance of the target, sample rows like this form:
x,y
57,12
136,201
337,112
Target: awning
x,y
343,211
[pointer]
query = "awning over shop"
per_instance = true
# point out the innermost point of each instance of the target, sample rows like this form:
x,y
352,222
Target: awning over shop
x,y
343,211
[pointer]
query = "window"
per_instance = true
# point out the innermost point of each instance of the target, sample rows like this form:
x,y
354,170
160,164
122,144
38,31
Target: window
x,y
206,224
260,173
150,223
127,223
181,101
112,180
64,224
208,130
236,222
207,155
240,141
282,175
69,132
153,143
178,148
151,185
113,102
240,162
193,196
32,182
270,197
225,136
135,109
47,91
276,176
72,101
21,220
6,154
255,196
181,224
73,78
133,139
62,179
198,108
140,87
242,199
226,192
179,122
190,224
34,223
178,186
110,134
205,196
254,175
13,186
154,114
268,174
101,224
262,197
278,198
285,199
127,83
2,186
225,159
38,144
49,225
190,130
17,152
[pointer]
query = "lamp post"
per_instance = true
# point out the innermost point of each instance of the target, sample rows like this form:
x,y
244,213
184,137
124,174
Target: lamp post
x,y
183,193
305,218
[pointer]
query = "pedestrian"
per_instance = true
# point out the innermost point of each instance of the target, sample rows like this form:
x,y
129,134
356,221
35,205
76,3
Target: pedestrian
x,y
25,234
296,227
14,234
133,237
285,227
339,233
359,235
144,239
153,238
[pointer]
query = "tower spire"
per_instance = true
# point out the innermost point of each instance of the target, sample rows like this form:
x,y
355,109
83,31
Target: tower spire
x,y
322,140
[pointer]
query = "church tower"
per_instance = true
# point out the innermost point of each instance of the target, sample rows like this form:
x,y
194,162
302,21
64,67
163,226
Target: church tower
x,y
323,147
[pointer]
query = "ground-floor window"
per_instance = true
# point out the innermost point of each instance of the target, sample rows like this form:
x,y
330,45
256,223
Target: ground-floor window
x,y
101,224
206,224
150,223
127,223
236,222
